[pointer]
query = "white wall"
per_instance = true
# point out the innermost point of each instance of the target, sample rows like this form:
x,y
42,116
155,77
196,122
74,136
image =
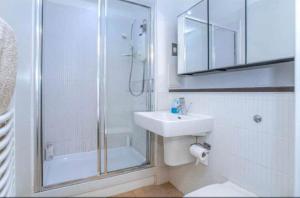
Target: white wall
x,y
19,14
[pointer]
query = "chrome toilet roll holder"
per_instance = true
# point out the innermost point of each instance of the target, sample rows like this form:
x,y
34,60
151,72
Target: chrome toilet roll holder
x,y
204,145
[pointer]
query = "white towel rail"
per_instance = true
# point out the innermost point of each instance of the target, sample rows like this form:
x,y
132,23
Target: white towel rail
x,y
7,153
5,166
6,116
6,129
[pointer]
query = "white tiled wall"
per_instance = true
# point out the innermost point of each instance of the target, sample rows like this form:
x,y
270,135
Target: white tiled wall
x,y
69,111
258,157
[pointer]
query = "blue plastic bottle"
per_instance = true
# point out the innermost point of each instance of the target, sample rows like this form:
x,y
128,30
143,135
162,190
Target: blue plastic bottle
x,y
175,105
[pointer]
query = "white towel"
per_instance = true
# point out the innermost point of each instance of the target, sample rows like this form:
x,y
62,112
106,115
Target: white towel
x,y
8,62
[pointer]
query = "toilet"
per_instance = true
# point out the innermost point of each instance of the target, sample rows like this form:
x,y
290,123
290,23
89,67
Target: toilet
x,y
227,189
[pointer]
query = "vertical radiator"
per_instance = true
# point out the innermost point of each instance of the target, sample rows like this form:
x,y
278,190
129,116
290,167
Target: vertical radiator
x,y
7,158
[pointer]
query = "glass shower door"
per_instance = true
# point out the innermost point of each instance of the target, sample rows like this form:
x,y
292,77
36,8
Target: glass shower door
x,y
69,89
86,127
127,83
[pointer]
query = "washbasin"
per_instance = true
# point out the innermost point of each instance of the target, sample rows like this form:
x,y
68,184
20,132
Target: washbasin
x,y
167,124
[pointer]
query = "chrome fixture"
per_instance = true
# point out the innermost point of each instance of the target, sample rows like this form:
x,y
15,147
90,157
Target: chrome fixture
x,y
134,55
204,145
257,119
143,27
183,109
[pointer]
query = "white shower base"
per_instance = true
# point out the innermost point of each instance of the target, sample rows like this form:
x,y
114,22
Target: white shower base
x,y
84,165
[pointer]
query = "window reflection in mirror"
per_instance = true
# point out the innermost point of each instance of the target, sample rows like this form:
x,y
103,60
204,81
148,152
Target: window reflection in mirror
x,y
193,39
196,45
227,33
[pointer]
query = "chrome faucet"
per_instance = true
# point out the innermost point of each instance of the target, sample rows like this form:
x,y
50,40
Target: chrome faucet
x,y
183,109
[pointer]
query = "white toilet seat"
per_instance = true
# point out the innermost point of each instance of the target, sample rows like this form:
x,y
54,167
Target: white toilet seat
x,y
227,189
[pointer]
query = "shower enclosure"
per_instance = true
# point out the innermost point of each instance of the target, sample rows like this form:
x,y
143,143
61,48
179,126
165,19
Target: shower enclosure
x,y
94,70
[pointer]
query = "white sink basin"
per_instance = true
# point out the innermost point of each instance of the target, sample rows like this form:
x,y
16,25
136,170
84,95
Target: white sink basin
x,y
171,125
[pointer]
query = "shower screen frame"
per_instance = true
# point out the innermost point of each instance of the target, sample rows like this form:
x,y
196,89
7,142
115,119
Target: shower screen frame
x,y
101,98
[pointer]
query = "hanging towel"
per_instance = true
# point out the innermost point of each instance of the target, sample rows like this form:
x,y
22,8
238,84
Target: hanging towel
x,y
8,63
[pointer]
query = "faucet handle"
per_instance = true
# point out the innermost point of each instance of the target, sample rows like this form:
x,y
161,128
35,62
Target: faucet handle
x,y
189,107
183,108
182,101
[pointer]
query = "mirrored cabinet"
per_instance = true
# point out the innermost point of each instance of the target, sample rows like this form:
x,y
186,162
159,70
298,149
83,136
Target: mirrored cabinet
x,y
218,35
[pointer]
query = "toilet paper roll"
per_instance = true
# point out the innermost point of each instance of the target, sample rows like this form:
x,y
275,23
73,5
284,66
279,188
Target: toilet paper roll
x,y
200,153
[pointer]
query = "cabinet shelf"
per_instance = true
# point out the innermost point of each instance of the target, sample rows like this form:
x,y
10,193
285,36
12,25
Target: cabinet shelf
x,y
242,67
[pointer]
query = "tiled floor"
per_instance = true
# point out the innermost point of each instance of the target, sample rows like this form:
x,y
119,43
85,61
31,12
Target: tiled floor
x,y
164,190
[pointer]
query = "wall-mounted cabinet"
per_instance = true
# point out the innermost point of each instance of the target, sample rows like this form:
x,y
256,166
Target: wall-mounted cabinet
x,y
270,30
216,35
